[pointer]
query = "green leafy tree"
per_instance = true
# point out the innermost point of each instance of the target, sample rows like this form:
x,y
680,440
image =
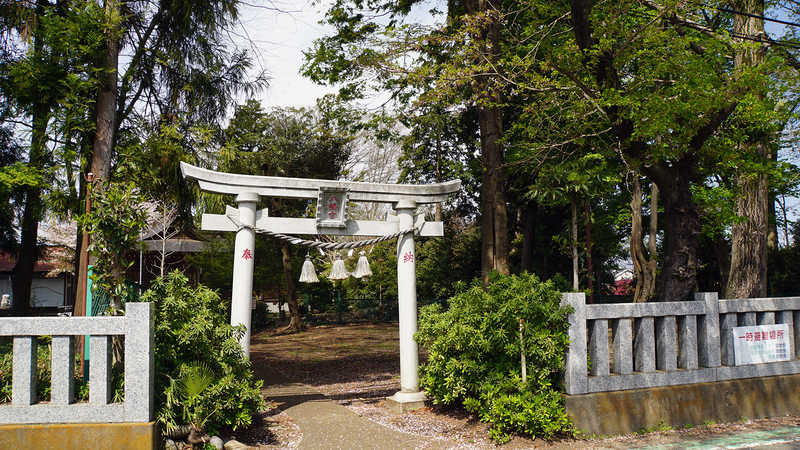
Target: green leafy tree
x,y
460,59
15,177
441,145
573,181
381,286
46,67
114,223
443,262
180,69
651,84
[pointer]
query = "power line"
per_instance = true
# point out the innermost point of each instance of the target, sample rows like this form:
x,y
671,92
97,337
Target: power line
x,y
754,16
750,37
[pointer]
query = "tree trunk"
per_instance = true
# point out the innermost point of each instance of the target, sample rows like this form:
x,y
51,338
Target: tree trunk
x,y
295,320
651,238
22,279
107,98
748,272
438,205
493,204
527,238
81,293
724,263
104,137
22,274
494,234
81,266
678,276
589,248
772,233
748,276
644,265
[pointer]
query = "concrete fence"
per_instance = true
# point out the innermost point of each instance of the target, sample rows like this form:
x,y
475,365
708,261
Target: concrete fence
x,y
674,363
645,345
137,329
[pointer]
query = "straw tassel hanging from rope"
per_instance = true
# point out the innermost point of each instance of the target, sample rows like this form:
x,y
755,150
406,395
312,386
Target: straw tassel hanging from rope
x,y
308,274
338,271
362,268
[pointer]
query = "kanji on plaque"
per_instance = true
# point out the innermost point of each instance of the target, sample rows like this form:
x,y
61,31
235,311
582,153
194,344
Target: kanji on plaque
x,y
332,207
408,257
247,254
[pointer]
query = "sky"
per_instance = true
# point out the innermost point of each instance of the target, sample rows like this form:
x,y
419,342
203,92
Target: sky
x,y
279,33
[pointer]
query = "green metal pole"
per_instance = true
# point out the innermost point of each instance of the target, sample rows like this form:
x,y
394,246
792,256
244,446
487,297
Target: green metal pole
x,y
339,306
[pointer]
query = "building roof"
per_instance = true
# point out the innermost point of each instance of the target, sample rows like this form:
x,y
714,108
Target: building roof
x,y
49,262
164,235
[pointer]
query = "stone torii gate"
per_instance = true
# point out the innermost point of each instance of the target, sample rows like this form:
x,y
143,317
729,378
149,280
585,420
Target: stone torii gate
x,y
245,220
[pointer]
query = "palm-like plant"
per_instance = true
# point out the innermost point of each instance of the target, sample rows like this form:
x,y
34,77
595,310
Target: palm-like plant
x,y
185,393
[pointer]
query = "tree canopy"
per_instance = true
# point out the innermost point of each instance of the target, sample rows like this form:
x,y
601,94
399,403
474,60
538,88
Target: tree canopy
x,y
570,123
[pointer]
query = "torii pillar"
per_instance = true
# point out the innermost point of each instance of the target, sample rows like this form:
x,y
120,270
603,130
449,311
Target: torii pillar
x,y
244,220
410,397
243,265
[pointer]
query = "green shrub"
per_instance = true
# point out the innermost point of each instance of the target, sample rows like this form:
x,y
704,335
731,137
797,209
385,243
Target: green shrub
x,y
474,354
192,328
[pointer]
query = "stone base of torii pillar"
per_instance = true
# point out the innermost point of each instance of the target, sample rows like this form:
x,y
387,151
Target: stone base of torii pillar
x,y
403,402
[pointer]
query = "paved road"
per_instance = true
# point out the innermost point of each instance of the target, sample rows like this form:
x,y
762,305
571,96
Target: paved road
x,y
770,439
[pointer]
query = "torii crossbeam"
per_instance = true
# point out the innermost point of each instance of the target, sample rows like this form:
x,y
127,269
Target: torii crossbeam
x,y
404,198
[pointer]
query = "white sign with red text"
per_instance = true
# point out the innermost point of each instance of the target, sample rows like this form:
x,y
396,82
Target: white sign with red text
x,y
761,344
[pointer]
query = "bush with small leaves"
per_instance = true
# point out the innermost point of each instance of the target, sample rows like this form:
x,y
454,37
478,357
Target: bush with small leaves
x,y
192,329
475,351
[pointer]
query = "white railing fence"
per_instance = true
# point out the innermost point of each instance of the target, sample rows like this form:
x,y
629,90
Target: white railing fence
x,y
137,328
643,345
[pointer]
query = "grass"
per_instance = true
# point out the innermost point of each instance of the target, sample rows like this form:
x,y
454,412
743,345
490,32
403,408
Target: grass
x,y
660,427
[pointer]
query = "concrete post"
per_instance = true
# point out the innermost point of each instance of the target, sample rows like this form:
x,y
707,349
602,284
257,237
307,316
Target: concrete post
x,y
140,369
243,264
409,396
23,376
708,332
575,370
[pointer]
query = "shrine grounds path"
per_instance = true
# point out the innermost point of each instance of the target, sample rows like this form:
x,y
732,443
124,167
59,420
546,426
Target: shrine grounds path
x,y
329,384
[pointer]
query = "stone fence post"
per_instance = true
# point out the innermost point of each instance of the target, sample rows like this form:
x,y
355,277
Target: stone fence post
x,y
708,339
575,367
